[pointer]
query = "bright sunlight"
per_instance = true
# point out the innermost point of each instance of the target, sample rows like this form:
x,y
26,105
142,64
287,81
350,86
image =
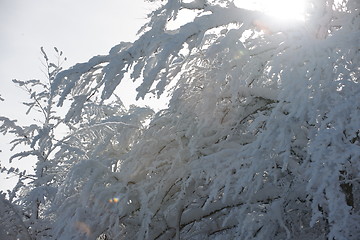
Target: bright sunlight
x,y
281,9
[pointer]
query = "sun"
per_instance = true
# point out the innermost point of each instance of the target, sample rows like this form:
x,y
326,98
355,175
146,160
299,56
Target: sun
x,y
280,9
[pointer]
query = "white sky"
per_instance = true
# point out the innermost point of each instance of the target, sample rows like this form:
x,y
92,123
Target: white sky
x,y
80,28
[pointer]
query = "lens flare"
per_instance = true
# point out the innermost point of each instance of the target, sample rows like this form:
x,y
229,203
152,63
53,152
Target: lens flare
x,y
114,200
83,228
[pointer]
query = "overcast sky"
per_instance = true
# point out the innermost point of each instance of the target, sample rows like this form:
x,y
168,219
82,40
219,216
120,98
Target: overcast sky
x,y
80,28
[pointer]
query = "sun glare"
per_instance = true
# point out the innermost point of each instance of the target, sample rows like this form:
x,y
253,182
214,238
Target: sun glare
x,y
280,9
